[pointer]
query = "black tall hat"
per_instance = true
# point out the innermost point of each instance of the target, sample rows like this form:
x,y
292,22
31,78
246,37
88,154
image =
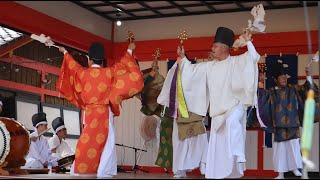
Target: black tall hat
x,y
224,36
278,70
39,118
58,124
96,52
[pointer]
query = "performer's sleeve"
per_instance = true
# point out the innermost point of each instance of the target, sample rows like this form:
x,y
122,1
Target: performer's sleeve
x,y
252,51
68,150
245,75
53,143
49,156
265,108
194,85
192,73
127,81
68,83
252,54
33,151
302,92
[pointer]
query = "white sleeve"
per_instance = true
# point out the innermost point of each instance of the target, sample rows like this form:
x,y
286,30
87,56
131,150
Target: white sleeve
x,y
193,69
34,153
53,142
67,149
309,78
252,51
130,51
70,150
194,85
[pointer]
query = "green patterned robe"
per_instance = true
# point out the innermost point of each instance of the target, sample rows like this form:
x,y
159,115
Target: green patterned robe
x,y
149,95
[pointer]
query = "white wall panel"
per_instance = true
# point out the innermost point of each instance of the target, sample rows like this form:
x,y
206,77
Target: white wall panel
x,y
25,111
71,121
267,157
51,113
251,149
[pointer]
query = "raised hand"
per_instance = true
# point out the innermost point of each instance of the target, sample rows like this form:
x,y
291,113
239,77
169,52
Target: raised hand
x,y
34,138
180,52
246,35
307,71
62,49
261,79
132,46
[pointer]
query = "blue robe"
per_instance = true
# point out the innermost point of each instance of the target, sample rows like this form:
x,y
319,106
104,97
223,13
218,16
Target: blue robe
x,y
282,110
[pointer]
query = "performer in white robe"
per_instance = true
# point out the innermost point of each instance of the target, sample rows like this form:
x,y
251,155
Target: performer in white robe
x,y
190,153
39,154
58,145
230,84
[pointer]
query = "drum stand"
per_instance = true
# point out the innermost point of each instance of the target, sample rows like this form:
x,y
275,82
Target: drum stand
x,y
2,171
61,170
7,171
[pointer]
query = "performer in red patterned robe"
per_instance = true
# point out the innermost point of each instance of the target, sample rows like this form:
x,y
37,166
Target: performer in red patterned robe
x,y
99,92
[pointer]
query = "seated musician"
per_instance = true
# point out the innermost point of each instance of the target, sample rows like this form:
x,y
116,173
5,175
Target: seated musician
x,y
39,153
58,145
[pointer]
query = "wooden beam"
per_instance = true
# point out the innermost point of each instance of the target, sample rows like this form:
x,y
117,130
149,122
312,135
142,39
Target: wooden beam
x,y
270,4
239,4
208,6
12,45
173,7
95,5
118,7
27,88
93,10
178,6
31,64
149,8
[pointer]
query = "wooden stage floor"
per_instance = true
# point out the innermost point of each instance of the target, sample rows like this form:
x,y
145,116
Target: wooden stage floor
x,y
121,175
130,175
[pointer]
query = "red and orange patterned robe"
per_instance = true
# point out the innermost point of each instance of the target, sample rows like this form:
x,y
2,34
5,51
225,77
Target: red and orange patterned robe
x,y
95,90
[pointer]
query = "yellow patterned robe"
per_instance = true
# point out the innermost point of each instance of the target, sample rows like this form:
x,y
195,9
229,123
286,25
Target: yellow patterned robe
x,y
95,90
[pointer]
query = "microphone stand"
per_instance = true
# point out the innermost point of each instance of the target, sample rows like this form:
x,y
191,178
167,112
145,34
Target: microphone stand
x,y
135,167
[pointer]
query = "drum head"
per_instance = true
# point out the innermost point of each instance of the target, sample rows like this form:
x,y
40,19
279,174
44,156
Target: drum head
x,y
66,161
4,142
